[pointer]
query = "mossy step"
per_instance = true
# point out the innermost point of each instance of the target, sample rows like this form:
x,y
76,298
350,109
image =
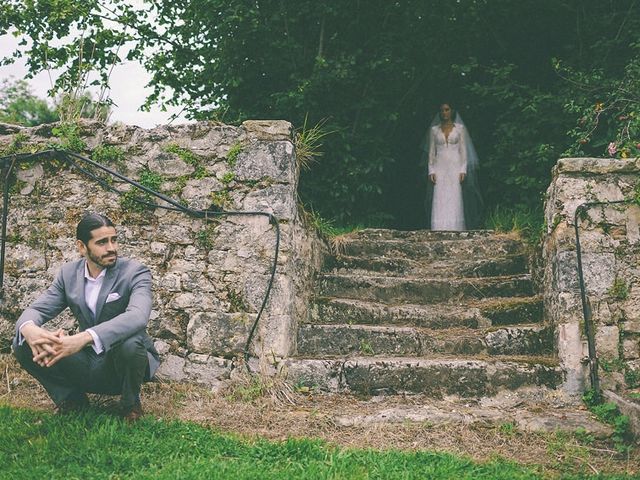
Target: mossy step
x,y
473,249
397,266
422,235
473,313
395,290
435,377
336,340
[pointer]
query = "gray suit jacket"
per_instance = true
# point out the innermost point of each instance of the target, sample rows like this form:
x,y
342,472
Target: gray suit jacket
x,y
128,280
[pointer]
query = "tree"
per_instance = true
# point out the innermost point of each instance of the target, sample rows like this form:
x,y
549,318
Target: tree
x,y
20,106
527,76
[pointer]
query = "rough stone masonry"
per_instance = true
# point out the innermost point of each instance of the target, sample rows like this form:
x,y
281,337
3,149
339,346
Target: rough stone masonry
x,y
210,275
610,241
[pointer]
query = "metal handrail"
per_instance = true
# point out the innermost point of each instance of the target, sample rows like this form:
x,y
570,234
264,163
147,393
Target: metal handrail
x,y
586,308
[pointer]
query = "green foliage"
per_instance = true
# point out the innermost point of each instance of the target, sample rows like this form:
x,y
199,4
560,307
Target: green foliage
x,y
189,158
232,155
205,237
609,413
151,180
608,117
549,78
308,143
366,348
237,302
18,145
619,290
69,137
109,154
522,220
255,389
583,436
632,378
228,177
131,200
74,105
221,199
323,226
509,428
20,106
636,194
611,364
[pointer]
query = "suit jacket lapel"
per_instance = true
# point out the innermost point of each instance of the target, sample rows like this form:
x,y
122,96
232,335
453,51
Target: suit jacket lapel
x,y
107,285
81,300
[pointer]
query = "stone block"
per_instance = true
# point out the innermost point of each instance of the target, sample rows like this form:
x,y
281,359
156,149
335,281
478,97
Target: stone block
x,y
275,199
197,192
168,164
29,177
633,225
220,334
207,370
631,326
599,272
600,166
273,160
171,369
272,130
601,313
323,375
25,259
607,341
571,351
631,348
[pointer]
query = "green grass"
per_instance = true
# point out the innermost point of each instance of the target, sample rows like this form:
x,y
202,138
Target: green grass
x,y
40,445
526,222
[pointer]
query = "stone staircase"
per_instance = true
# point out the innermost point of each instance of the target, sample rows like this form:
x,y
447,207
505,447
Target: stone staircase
x,y
433,313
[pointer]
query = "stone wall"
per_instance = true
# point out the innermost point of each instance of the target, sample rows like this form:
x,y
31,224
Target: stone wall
x,y
210,275
610,245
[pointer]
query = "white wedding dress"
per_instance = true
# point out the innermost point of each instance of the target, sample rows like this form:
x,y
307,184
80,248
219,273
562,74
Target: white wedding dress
x,y
447,160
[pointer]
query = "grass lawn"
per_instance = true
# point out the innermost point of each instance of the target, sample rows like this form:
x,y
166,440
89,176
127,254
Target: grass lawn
x,y
40,445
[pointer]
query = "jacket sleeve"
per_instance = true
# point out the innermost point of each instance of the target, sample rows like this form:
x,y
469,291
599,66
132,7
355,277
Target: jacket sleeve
x,y
47,306
135,317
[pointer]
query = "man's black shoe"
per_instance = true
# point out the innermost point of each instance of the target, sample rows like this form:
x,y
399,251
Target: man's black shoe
x,y
73,404
132,414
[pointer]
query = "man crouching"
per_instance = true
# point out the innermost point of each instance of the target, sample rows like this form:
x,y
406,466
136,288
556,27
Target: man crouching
x,y
110,297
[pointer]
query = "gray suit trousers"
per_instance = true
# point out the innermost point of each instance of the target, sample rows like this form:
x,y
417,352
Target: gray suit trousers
x,y
120,371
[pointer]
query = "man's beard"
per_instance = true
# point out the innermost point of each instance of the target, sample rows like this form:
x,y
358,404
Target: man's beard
x,y
107,261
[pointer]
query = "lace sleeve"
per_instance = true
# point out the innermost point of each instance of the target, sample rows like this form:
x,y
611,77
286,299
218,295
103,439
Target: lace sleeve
x,y
432,150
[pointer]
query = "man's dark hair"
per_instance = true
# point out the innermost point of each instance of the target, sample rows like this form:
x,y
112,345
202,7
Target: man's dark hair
x,y
89,223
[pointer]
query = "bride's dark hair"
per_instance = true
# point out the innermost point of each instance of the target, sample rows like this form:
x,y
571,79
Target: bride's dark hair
x,y
454,112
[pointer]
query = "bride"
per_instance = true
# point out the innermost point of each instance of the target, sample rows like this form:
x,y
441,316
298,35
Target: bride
x,y
453,200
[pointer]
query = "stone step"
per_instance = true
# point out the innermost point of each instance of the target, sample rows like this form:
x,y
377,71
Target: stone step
x,y
422,235
397,266
473,314
340,340
393,291
435,377
448,249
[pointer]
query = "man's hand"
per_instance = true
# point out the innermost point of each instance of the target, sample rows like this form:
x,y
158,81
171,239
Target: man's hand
x,y
68,346
432,177
41,341
462,177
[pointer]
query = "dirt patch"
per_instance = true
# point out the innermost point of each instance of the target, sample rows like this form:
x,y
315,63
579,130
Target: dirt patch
x,y
254,408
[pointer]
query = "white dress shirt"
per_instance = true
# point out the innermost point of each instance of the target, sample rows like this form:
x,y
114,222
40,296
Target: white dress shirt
x,y
92,288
